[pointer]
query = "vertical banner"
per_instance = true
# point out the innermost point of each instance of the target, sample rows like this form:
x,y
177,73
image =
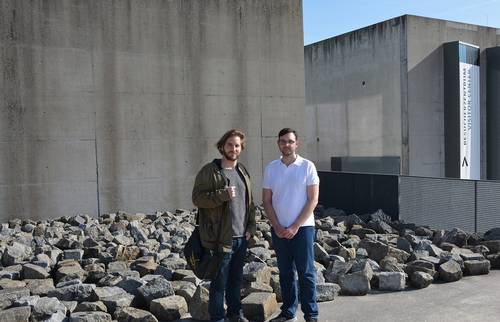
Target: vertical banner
x,y
462,111
470,151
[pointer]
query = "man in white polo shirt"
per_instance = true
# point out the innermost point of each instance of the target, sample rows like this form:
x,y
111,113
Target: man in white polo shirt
x,y
290,194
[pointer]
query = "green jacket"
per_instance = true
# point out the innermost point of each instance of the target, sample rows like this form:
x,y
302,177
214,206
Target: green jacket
x,y
211,198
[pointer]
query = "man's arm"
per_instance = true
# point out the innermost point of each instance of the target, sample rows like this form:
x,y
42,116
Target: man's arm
x,y
204,196
267,200
312,201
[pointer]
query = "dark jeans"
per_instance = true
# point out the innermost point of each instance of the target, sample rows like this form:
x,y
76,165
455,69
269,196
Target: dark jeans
x,y
228,279
297,254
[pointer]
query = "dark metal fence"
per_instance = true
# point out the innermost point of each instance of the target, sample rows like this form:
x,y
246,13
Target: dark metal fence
x,y
444,203
359,193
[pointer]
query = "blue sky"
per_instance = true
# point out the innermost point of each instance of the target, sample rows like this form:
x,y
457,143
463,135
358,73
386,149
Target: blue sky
x,y
328,18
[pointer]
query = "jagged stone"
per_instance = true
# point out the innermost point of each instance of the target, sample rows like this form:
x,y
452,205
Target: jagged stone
x,y
16,314
275,284
91,307
16,254
76,254
450,271
421,279
132,314
169,308
455,236
137,232
357,283
75,292
66,273
376,249
391,281
90,317
156,288
6,283
29,300
48,308
477,267
256,272
8,296
492,234
259,306
255,287
336,270
198,306
31,271
184,289
327,291
494,260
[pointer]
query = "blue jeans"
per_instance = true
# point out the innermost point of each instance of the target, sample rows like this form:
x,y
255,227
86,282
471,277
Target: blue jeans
x,y
228,279
297,254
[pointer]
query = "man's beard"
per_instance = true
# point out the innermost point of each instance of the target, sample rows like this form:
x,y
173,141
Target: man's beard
x,y
229,157
286,152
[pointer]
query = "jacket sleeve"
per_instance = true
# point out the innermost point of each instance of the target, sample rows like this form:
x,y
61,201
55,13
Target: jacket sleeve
x,y
251,226
204,196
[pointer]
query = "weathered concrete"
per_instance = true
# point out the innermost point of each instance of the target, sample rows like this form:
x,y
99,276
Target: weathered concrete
x,y
352,93
116,105
378,91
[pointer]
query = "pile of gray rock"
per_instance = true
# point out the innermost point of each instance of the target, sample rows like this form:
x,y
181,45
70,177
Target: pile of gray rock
x,y
130,267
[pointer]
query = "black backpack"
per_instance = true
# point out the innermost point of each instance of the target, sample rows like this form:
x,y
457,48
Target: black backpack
x,y
203,262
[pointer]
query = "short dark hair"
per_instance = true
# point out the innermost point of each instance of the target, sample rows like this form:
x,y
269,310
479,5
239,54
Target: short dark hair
x,y
287,130
233,132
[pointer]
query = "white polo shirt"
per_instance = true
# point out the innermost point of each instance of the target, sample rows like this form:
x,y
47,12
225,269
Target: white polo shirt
x,y
289,187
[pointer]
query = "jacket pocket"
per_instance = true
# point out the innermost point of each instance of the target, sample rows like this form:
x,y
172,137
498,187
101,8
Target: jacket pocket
x,y
211,228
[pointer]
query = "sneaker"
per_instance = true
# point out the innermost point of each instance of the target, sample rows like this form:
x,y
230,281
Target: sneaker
x,y
283,318
312,319
237,318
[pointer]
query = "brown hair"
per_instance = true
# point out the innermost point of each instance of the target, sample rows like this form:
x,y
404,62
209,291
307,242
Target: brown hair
x,y
233,132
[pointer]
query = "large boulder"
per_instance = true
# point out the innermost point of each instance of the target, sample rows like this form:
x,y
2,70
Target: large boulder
x,y
169,308
156,288
90,317
8,296
259,306
16,314
15,254
477,267
198,306
450,271
391,281
492,234
132,314
48,308
327,291
420,279
357,283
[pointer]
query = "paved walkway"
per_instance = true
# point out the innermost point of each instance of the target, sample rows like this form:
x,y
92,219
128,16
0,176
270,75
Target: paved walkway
x,y
472,299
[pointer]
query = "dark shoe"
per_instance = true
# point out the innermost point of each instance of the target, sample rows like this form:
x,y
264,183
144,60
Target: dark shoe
x,y
311,319
283,318
237,318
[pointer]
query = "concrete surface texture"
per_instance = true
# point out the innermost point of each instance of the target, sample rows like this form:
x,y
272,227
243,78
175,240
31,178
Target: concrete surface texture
x,y
472,299
109,105
378,91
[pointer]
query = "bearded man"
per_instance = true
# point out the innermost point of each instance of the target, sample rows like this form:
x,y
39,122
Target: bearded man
x,y
223,194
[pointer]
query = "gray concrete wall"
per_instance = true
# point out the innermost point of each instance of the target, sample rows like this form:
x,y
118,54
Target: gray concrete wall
x,y
425,38
109,105
353,93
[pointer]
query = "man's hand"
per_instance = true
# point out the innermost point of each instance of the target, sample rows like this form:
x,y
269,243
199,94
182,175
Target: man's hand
x,y
231,190
279,230
290,232
248,235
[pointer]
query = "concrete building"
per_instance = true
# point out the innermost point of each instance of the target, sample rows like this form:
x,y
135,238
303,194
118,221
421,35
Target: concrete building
x,y
379,92
109,105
